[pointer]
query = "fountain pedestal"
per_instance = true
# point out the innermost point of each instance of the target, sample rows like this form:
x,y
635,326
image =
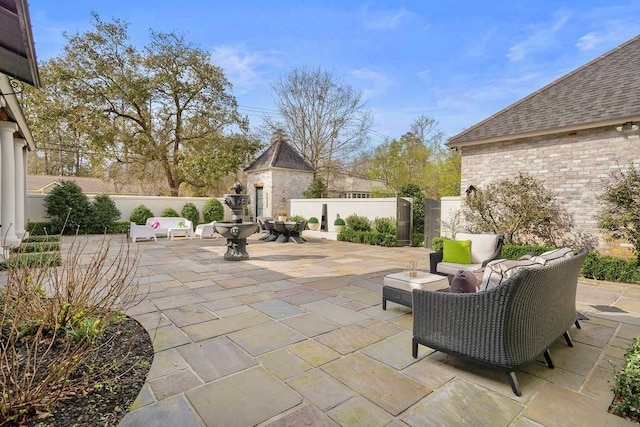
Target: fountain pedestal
x,y
236,231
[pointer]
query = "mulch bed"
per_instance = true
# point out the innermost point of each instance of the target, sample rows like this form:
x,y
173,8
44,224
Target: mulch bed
x,y
106,401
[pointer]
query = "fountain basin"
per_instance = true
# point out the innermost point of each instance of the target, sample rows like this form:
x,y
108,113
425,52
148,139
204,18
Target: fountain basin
x,y
236,230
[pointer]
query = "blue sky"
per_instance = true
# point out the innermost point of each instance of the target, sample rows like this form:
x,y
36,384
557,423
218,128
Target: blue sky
x,y
458,62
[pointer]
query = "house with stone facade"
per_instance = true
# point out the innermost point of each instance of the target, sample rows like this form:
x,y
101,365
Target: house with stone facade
x,y
278,175
569,134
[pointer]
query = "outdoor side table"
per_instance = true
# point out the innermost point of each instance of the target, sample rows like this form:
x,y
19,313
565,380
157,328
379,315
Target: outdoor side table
x,y
397,287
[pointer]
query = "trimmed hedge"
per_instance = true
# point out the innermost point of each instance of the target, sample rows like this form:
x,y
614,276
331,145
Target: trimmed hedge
x,y
41,228
367,237
42,238
30,247
31,260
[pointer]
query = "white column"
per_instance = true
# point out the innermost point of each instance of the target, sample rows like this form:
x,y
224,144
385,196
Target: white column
x,y
19,145
8,184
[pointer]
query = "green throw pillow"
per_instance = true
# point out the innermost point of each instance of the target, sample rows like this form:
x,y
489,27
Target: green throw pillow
x,y
457,251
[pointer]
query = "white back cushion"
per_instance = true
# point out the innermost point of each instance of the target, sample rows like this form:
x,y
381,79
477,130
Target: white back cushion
x,y
498,271
482,245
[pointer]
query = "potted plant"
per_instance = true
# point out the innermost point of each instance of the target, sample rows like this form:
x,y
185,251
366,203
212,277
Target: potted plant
x,y
338,224
313,223
282,216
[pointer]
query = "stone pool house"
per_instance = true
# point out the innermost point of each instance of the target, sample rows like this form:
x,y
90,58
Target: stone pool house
x,y
281,174
570,134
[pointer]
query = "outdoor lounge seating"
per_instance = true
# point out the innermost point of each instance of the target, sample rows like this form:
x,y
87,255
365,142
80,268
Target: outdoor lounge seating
x,y
141,232
506,326
206,230
484,248
171,226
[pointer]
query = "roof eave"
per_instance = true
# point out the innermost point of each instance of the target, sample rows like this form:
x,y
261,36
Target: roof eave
x,y
564,129
8,93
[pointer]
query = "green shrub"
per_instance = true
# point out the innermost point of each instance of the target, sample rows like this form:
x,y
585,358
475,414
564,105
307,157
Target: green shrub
x,y
32,260
68,208
43,238
297,218
169,213
417,240
367,237
213,210
30,247
41,228
120,227
627,384
190,212
313,220
140,214
516,251
339,221
385,225
357,223
436,244
103,214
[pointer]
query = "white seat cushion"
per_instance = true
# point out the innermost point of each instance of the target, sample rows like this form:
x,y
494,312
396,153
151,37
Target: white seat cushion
x,y
452,268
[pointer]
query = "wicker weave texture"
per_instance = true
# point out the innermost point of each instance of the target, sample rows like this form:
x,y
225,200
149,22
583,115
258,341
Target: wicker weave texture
x,y
506,326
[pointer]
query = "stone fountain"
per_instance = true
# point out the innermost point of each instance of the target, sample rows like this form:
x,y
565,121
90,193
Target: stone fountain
x,y
236,231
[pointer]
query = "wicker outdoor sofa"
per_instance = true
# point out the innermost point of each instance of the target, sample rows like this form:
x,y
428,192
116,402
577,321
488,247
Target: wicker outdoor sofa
x,y
504,327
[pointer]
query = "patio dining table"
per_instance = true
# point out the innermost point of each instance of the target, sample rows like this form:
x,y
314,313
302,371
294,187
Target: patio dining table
x,y
284,234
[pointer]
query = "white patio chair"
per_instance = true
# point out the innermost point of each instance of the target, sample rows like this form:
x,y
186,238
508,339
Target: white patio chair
x,y
206,230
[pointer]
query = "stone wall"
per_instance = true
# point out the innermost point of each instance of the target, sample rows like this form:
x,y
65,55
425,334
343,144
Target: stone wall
x,y
280,186
574,165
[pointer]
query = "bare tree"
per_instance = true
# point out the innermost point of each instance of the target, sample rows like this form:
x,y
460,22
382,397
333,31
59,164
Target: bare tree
x,y
324,118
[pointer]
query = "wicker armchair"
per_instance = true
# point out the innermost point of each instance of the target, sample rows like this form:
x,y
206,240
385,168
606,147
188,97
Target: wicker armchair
x,y
504,327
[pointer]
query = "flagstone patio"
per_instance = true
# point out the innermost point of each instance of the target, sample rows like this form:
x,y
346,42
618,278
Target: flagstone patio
x,y
296,336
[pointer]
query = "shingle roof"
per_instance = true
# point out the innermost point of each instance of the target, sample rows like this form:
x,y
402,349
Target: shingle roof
x,y
605,89
280,155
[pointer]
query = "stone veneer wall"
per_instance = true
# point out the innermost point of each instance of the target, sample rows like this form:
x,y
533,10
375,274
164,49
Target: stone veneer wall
x,y
280,186
574,165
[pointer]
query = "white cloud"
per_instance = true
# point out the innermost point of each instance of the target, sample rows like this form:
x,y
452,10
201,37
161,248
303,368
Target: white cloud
x,y
375,82
385,20
614,33
244,69
541,37
423,74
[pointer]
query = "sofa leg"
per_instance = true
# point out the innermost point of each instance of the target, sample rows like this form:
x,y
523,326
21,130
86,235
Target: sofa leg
x,y
414,349
514,383
578,324
567,338
384,303
547,358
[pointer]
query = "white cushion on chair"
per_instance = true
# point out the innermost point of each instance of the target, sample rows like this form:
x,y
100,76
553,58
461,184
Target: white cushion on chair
x,y
482,246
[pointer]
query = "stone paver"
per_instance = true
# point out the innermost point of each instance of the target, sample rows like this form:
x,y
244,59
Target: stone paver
x,y
307,415
277,309
377,382
349,339
461,402
246,399
284,364
174,411
266,337
215,358
296,336
359,412
321,389
558,406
